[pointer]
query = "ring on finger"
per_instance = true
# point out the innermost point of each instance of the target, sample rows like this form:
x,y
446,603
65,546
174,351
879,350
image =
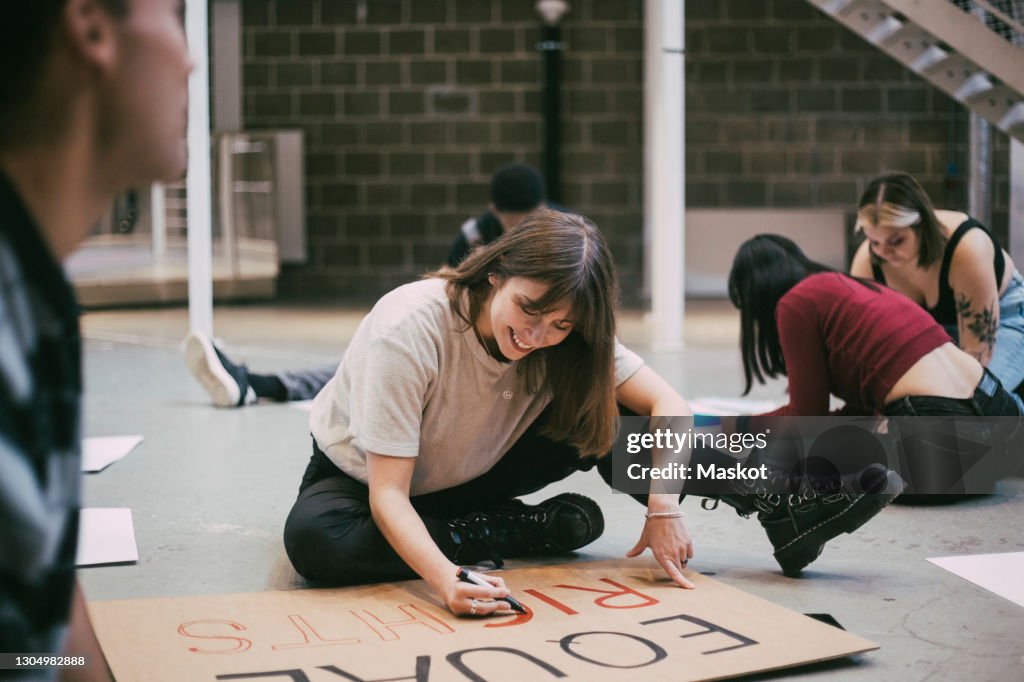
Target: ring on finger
x,y
473,603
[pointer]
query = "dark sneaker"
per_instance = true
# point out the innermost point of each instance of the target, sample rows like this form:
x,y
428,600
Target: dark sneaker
x,y
513,528
799,524
226,382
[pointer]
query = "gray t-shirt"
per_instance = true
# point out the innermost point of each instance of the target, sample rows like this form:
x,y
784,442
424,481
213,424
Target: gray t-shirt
x,y
415,382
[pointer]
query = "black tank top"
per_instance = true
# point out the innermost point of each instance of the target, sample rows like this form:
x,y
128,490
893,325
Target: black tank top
x,y
944,311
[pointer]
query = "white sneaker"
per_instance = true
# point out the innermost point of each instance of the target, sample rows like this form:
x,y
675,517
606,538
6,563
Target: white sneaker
x,y
226,382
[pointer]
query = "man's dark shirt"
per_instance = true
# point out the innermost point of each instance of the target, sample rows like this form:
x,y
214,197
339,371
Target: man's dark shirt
x,y
40,435
480,231
474,232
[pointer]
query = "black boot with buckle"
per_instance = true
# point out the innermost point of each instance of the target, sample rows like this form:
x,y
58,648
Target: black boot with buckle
x,y
513,528
801,514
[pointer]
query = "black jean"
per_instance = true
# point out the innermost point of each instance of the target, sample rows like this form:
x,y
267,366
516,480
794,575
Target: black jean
x,y
330,534
951,446
990,399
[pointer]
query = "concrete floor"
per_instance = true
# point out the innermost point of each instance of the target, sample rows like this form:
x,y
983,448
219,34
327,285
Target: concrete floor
x,y
210,490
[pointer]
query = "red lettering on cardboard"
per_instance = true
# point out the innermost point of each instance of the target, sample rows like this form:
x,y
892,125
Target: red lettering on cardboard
x,y
310,636
622,591
241,644
417,616
518,619
551,601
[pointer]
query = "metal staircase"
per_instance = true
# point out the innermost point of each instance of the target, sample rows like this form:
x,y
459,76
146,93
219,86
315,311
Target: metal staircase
x,y
971,49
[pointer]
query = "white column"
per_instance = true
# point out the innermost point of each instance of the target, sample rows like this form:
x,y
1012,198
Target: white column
x,y
665,153
1017,201
158,220
199,206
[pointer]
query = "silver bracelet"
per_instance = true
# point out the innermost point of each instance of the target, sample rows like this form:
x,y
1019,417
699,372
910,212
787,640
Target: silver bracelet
x,y
663,515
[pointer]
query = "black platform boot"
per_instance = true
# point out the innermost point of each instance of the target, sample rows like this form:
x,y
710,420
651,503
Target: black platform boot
x,y
801,514
513,528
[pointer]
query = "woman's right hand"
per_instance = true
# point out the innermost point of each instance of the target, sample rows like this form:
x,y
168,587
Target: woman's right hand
x,y
388,479
459,597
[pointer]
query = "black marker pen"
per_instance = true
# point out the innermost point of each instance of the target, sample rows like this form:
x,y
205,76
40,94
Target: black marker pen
x,y
472,578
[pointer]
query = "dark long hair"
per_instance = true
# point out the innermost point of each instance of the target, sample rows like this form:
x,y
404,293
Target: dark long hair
x,y
567,253
764,269
897,199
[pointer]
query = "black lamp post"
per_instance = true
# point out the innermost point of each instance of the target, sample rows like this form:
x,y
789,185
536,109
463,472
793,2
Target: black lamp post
x,y
551,12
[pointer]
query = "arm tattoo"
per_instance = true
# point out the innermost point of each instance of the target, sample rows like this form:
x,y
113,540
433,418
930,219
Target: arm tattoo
x,y
982,323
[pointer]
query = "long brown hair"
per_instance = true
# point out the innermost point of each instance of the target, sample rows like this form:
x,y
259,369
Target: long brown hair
x,y
567,253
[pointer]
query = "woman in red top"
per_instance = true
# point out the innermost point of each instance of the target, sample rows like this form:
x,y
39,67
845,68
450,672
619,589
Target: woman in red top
x,y
832,334
864,343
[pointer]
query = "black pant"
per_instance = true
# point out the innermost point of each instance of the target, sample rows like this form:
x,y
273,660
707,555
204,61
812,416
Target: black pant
x,y
990,399
955,446
330,535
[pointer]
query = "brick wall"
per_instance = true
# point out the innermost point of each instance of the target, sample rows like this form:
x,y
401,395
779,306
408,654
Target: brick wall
x,y
786,107
409,106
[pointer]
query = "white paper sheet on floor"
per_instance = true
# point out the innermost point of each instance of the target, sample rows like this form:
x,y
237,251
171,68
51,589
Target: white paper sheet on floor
x,y
997,573
99,452
106,536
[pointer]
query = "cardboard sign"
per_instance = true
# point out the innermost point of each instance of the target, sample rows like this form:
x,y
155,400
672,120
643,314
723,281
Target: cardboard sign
x,y
607,620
